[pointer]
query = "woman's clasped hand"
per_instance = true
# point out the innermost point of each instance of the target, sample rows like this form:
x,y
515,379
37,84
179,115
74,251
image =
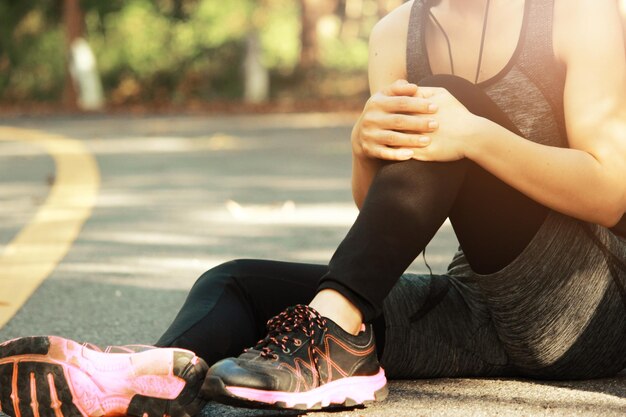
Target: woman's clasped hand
x,y
404,121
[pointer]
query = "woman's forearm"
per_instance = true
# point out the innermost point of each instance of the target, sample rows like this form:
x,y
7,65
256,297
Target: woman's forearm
x,y
566,180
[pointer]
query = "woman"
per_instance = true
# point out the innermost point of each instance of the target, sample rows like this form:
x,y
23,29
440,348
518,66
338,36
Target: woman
x,y
520,139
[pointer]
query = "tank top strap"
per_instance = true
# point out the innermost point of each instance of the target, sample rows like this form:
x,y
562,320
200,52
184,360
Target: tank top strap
x,y
537,60
417,66
534,56
536,38
537,31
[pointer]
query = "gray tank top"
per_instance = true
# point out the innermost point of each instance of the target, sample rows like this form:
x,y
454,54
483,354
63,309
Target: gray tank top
x,y
529,89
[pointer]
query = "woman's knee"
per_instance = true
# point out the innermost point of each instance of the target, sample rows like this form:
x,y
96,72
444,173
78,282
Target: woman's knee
x,y
407,175
218,275
472,97
466,92
217,319
452,83
223,277
205,294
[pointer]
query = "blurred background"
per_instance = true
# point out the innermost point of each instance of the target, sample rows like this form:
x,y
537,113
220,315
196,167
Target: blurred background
x,y
186,54
94,55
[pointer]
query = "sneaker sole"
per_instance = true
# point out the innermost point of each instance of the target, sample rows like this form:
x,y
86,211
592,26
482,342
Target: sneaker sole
x,y
345,392
55,377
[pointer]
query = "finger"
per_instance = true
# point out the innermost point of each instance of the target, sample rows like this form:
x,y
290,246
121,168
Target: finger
x,y
407,105
407,123
428,92
409,90
423,154
387,153
400,88
395,139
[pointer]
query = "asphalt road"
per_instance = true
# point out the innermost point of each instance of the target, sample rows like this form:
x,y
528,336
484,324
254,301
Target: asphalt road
x,y
179,195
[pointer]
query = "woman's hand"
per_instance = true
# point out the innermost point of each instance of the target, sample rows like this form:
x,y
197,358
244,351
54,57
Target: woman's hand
x,y
394,123
457,128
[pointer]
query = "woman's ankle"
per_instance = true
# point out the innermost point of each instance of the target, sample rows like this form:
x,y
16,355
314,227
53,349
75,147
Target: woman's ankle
x,y
333,305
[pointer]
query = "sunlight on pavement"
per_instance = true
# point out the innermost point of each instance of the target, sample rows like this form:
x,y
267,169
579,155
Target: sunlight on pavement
x,y
288,212
167,144
311,215
141,238
171,273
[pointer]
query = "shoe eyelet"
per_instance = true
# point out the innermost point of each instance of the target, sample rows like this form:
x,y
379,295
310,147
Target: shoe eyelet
x,y
275,357
287,350
297,342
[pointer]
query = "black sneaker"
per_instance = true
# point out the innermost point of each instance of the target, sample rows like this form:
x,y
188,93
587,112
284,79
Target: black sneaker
x,y
52,376
305,362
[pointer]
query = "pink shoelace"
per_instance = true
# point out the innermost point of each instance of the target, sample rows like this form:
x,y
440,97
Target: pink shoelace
x,y
280,328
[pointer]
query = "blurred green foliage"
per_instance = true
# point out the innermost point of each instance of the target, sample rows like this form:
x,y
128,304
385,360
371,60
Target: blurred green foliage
x,y
31,50
174,50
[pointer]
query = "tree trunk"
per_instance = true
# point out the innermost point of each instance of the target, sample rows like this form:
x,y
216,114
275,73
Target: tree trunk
x,y
256,83
311,11
73,19
309,50
177,9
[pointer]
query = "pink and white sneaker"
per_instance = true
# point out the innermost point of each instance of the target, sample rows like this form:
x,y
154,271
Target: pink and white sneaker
x,y
306,361
49,376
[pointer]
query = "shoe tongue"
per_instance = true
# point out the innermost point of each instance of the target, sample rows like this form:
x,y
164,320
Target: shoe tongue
x,y
289,339
289,343
290,325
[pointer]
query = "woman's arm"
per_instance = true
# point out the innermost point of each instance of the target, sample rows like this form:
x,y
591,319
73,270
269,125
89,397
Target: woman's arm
x,y
385,130
571,181
587,180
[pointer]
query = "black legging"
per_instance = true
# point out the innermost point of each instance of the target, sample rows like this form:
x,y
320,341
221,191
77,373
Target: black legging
x,y
407,203
228,307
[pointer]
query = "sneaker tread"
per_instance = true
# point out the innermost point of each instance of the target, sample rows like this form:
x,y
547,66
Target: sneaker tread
x,y
35,384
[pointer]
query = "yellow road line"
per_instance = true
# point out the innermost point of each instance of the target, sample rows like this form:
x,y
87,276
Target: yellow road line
x,y
36,250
